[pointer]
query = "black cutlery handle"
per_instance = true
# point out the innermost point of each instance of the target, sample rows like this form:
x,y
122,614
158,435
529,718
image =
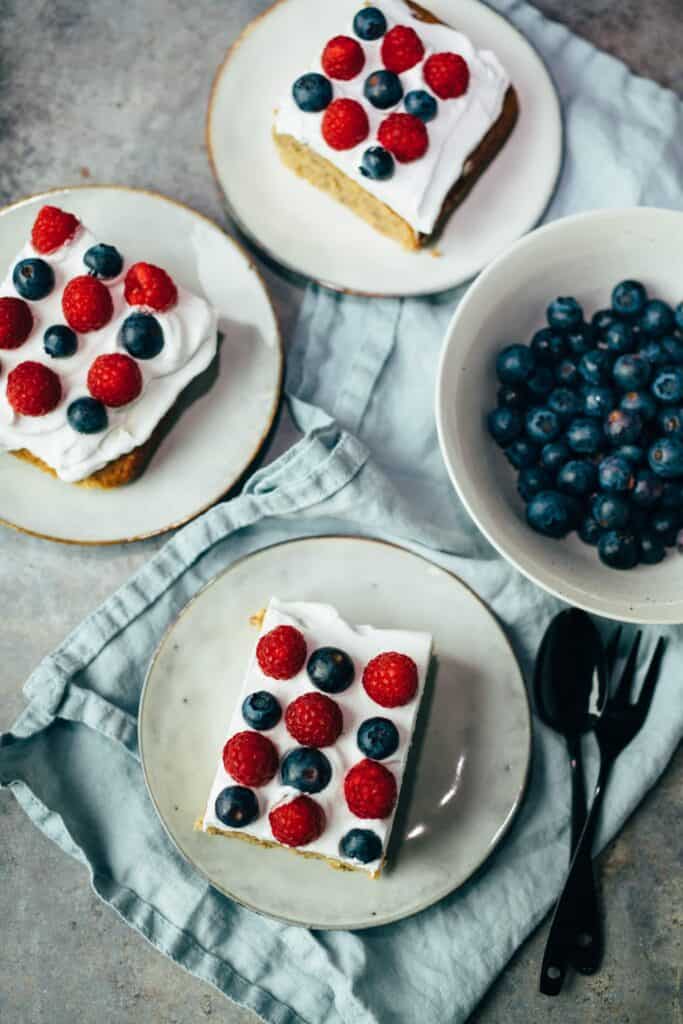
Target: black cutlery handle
x,y
586,946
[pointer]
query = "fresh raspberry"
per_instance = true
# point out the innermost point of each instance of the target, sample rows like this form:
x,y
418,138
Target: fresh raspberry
x,y
86,304
342,58
345,124
298,822
314,720
251,758
114,379
147,285
16,322
401,49
447,74
370,790
52,228
281,653
33,389
390,679
405,136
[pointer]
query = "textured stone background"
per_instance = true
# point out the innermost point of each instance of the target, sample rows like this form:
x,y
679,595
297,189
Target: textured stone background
x,y
92,90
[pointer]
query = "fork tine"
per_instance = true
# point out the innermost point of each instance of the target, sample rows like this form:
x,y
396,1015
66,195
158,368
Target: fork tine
x,y
612,650
621,694
651,677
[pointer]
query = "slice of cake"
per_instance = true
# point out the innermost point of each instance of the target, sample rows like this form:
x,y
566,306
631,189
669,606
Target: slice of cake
x,y
94,351
317,745
397,118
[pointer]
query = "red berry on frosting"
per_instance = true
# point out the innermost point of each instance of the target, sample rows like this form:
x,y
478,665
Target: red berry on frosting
x,y
314,720
52,228
16,322
405,136
33,389
447,75
251,758
401,49
390,679
342,58
86,304
345,124
147,285
114,379
281,653
370,790
298,822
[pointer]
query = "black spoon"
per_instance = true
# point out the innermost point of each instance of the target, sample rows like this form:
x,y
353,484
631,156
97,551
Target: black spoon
x,y
569,679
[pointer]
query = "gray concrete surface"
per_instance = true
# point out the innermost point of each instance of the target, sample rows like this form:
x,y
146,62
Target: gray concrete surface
x,y
100,91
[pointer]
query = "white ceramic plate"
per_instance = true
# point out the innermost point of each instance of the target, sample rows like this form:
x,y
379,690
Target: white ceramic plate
x,y
306,231
471,760
226,415
583,256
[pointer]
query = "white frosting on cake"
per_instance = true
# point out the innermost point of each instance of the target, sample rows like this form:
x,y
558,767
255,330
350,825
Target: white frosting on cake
x,y
190,340
417,190
322,626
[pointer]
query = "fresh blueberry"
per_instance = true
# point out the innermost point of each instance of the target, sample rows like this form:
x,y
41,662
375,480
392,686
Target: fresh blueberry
x,y
633,453
515,364
666,458
652,549
103,261
362,845
628,298
512,396
261,710
577,477
236,806
673,348
141,335
615,474
306,769
505,425
554,456
648,489
312,92
653,351
59,341
566,373
87,415
597,401
667,386
640,518
581,340
623,427
671,422
532,480
377,738
631,372
564,403
522,453
657,318
547,346
640,402
421,104
678,316
619,549
330,669
383,89
551,513
542,425
672,494
369,23
665,523
619,338
602,320
33,279
610,511
595,367
377,163
585,436
564,314
540,383
589,531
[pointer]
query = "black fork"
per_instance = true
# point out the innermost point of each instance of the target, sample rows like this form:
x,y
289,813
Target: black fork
x,y
619,722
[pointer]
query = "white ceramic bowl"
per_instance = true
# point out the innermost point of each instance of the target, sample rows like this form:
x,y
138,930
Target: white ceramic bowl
x,y
584,256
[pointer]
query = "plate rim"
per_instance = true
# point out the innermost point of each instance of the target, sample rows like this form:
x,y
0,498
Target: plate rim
x,y
623,615
277,401
512,812
291,272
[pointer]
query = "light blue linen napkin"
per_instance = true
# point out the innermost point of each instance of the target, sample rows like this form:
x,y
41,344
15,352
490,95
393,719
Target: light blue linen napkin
x,y
361,380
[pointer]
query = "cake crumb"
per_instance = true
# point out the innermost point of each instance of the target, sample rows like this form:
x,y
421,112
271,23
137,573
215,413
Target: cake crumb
x,y
257,620
436,254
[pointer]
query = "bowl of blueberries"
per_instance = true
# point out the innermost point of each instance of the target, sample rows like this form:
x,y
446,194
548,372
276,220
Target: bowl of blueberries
x,y
559,409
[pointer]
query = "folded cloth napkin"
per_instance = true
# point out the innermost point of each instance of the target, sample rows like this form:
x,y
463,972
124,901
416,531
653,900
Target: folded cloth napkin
x,y
361,384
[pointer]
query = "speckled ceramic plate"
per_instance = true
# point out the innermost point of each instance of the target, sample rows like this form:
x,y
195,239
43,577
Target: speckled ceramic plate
x,y
306,231
472,743
224,416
